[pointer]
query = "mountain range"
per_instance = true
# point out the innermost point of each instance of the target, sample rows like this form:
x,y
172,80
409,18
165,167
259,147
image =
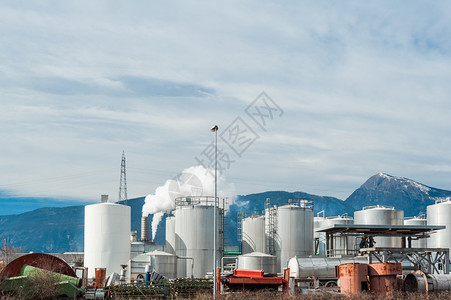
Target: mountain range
x,y
60,229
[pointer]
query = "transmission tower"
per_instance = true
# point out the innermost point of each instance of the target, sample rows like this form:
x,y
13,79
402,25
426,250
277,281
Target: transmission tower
x,y
123,183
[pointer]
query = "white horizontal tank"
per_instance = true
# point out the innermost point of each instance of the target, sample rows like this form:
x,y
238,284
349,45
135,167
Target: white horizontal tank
x,y
440,214
381,215
320,267
107,237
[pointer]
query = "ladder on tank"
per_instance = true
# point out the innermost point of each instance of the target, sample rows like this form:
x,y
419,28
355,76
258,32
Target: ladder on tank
x,y
270,226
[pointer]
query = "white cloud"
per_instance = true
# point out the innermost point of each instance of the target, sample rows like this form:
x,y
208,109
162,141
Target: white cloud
x,y
364,88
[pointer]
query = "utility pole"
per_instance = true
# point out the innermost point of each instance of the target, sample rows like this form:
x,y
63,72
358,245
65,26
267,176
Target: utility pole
x,y
123,184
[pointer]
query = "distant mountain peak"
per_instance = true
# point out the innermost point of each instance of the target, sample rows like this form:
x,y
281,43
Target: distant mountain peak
x,y
382,179
400,192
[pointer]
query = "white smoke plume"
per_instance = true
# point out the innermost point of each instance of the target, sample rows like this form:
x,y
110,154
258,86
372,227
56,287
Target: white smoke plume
x,y
193,181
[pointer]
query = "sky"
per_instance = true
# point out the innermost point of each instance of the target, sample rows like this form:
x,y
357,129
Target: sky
x,y
312,96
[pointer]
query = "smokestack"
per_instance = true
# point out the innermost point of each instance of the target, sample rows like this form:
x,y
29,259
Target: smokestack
x,y
144,229
103,198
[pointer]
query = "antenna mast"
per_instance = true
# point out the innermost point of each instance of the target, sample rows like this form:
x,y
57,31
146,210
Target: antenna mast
x,y
123,184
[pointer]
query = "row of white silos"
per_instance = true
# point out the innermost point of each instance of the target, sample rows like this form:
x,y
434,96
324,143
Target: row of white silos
x,y
190,234
283,231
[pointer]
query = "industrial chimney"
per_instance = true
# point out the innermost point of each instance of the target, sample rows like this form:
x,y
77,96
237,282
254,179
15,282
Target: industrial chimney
x,y
103,198
144,229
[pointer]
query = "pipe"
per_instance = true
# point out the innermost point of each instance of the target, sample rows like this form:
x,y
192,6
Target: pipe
x,y
419,281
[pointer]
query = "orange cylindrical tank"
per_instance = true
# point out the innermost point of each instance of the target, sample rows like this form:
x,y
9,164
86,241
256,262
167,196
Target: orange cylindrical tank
x,y
100,277
383,277
353,278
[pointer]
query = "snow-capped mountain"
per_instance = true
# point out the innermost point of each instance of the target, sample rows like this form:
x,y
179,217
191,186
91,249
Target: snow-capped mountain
x,y
402,193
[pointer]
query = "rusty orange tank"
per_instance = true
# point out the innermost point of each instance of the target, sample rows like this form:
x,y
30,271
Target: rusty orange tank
x,y
383,277
353,278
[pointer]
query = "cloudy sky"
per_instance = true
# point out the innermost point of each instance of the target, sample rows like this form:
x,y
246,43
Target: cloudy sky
x,y
351,89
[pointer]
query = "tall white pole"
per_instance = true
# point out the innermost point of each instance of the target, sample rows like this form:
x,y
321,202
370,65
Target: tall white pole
x,y
215,129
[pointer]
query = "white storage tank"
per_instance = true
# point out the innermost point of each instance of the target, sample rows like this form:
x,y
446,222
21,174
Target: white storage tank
x,y
253,234
170,234
257,261
161,262
440,214
381,215
194,227
294,232
417,221
107,237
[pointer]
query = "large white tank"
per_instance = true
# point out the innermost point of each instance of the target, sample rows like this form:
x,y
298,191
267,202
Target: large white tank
x,y
170,234
257,261
417,221
381,215
107,237
163,263
440,214
294,232
194,227
253,234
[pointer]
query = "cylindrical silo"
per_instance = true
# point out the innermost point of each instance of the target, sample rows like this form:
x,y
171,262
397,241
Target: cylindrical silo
x,y
381,215
194,227
294,232
257,261
162,263
440,214
253,234
417,221
170,234
107,237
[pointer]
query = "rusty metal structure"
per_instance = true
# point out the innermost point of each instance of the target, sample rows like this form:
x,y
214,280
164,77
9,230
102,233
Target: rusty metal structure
x,y
383,278
353,278
379,278
429,260
419,281
39,260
